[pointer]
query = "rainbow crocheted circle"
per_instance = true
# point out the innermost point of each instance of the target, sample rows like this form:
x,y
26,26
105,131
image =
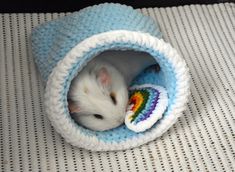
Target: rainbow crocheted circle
x,y
147,104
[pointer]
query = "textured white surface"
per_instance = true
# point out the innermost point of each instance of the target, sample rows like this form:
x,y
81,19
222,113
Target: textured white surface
x,y
203,139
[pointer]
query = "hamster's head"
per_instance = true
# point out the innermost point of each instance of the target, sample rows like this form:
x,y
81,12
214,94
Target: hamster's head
x,y
98,97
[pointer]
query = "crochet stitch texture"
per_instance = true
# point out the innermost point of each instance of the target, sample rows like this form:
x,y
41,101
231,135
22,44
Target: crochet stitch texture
x,y
52,40
62,47
147,104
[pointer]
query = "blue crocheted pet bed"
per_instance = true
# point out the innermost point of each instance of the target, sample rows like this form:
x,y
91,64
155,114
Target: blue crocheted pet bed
x,y
64,46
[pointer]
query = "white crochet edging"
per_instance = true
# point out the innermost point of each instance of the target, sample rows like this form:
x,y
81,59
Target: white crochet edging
x,y
156,114
56,110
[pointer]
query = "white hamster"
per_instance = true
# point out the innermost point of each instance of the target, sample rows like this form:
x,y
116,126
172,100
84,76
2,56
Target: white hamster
x,y
98,95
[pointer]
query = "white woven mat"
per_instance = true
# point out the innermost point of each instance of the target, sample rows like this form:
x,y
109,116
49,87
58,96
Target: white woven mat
x,y
203,139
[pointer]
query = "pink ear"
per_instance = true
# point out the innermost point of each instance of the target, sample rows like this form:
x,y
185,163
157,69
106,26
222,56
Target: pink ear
x,y
73,108
104,77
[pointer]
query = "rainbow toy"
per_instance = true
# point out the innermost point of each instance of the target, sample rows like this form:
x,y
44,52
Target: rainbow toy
x,y
146,106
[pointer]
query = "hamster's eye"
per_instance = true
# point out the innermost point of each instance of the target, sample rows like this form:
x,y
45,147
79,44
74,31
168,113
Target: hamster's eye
x,y
98,116
113,98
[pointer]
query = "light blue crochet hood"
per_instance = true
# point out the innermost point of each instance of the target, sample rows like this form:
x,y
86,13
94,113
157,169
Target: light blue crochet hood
x,y
53,40
62,47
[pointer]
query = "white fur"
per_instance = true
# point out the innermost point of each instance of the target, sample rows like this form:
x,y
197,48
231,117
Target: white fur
x,y
94,98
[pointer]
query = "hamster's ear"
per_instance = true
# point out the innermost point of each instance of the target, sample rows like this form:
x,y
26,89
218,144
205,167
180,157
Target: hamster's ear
x,y
73,107
104,77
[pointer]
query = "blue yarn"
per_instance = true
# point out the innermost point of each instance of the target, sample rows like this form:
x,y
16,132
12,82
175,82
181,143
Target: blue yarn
x,y
64,33
53,40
